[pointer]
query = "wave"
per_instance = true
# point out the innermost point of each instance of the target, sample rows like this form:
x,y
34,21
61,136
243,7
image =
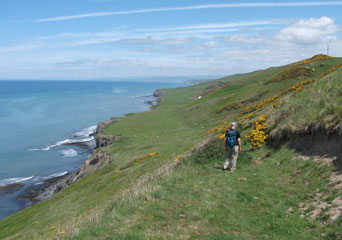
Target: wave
x,y
64,142
56,175
85,132
69,152
9,181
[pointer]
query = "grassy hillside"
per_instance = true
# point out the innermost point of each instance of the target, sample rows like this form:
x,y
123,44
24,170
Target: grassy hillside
x,y
165,180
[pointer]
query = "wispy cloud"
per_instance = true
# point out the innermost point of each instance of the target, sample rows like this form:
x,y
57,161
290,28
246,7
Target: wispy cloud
x,y
195,7
172,35
233,25
169,35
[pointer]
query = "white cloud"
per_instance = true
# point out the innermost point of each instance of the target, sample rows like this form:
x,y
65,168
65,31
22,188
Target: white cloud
x,y
243,39
311,31
195,7
201,49
168,35
220,25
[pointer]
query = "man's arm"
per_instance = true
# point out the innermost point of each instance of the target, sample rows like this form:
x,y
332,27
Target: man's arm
x,y
239,142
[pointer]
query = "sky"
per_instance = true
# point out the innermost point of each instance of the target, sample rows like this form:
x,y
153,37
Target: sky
x,y
107,39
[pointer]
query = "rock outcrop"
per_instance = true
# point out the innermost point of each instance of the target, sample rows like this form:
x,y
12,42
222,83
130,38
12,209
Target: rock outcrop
x,y
158,93
104,140
102,125
96,161
92,164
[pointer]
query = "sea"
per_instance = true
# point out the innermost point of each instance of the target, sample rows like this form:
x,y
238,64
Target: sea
x,y
46,126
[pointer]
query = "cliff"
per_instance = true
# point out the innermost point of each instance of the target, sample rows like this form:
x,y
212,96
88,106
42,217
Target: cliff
x,y
145,182
96,161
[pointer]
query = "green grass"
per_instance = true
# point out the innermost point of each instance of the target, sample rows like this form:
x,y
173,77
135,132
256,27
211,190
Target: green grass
x,y
217,205
158,200
325,111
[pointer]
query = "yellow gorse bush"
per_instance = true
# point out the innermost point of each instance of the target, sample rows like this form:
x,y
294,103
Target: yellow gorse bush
x,y
138,174
292,72
259,73
248,116
146,156
222,135
217,129
137,161
295,88
178,158
277,103
229,97
221,129
258,135
261,104
297,70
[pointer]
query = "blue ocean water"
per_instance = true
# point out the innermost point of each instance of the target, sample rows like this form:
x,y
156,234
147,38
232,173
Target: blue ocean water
x,y
36,117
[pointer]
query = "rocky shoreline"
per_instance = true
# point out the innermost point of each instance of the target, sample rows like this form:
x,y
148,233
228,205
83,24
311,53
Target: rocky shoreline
x,y
34,194
37,193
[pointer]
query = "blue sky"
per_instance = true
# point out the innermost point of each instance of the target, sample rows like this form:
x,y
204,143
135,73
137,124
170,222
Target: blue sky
x,y
93,39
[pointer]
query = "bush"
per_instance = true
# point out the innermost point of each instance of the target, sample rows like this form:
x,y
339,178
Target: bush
x,y
212,152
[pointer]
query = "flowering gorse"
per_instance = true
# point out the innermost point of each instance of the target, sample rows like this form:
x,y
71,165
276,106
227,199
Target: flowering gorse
x,y
178,158
297,70
295,88
258,136
221,130
146,156
229,97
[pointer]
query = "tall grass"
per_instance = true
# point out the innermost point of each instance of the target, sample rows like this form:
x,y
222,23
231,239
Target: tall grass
x,y
318,107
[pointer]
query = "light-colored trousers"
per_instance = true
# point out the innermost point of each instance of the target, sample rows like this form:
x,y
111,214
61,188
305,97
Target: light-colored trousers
x,y
231,153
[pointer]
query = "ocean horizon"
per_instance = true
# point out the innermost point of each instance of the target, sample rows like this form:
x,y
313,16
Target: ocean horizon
x,y
47,127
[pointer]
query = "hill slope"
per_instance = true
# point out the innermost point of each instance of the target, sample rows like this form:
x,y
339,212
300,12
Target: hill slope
x,y
164,179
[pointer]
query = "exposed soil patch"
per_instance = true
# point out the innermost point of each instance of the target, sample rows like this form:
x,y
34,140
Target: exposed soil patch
x,y
323,144
324,205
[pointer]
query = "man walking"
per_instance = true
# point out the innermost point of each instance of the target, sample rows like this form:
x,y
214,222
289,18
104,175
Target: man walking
x,y
233,146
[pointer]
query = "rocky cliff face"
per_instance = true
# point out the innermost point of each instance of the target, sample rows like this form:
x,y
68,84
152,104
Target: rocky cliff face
x,y
158,93
103,140
102,125
90,165
96,161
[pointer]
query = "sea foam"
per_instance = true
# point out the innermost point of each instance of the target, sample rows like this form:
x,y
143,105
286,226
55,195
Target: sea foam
x,y
9,181
56,175
86,132
64,142
69,152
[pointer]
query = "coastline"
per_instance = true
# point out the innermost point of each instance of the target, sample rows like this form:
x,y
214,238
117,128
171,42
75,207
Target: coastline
x,y
34,194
